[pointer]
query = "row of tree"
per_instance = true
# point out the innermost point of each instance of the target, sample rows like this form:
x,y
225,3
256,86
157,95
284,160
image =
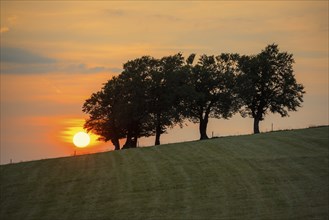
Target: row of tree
x,y
152,95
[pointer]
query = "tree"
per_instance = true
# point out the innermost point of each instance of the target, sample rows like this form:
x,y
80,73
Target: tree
x,y
134,109
212,90
143,100
120,109
267,84
103,120
165,81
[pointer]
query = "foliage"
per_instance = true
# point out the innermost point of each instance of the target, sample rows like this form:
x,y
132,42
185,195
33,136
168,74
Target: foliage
x,y
212,90
143,100
133,108
152,95
164,93
103,109
267,84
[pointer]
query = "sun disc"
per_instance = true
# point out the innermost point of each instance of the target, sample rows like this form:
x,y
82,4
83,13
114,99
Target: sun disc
x,y
81,139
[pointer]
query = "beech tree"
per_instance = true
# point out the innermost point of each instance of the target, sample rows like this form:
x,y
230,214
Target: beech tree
x,y
143,100
212,90
151,94
267,84
134,111
103,113
163,93
120,109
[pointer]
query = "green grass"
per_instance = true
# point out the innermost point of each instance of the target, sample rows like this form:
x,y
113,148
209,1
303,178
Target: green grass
x,y
277,175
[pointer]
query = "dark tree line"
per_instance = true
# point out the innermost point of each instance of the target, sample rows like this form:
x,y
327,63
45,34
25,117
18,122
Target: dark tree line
x,y
152,95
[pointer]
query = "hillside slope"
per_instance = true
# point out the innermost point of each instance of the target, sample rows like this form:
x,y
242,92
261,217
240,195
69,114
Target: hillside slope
x,y
277,175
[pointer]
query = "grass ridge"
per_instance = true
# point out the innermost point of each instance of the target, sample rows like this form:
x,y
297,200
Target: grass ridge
x,y
275,175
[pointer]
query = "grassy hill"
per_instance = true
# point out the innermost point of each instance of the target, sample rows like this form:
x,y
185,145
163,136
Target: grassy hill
x,y
277,175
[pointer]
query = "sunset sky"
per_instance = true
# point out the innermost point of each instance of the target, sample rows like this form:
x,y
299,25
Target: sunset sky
x,y
55,54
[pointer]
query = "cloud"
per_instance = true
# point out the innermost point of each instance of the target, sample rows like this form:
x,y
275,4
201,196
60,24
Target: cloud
x,y
83,68
54,68
22,61
312,54
165,17
114,12
4,29
12,19
8,68
22,56
115,70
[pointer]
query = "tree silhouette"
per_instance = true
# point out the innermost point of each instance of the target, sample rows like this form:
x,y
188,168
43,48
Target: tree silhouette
x,y
164,93
103,110
143,100
212,90
151,94
134,110
267,84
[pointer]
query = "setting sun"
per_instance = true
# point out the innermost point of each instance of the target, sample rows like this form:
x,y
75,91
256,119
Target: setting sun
x,y
71,128
81,139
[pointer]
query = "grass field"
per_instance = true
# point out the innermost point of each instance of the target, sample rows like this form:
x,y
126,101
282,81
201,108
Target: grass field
x,y
276,175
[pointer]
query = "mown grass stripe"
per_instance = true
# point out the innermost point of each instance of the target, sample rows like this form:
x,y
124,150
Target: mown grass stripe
x,y
276,175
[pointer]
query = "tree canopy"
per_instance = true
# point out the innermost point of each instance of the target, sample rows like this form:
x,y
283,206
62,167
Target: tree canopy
x,y
267,84
103,109
152,95
212,91
164,94
143,100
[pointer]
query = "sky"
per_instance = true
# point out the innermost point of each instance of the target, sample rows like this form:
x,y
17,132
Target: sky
x,y
55,54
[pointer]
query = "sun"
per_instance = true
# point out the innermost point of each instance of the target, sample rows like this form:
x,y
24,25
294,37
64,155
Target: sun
x,y
81,139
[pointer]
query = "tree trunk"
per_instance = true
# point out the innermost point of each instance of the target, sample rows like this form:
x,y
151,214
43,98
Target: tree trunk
x,y
115,139
158,130
130,141
134,143
157,136
203,128
116,143
256,125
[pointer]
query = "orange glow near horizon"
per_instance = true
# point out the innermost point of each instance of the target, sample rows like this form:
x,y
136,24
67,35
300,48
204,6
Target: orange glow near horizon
x,y
54,55
74,126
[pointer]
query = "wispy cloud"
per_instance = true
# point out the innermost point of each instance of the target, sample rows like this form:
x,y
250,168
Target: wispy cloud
x,y
166,17
23,69
114,12
22,61
18,55
83,68
10,21
4,29
54,68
